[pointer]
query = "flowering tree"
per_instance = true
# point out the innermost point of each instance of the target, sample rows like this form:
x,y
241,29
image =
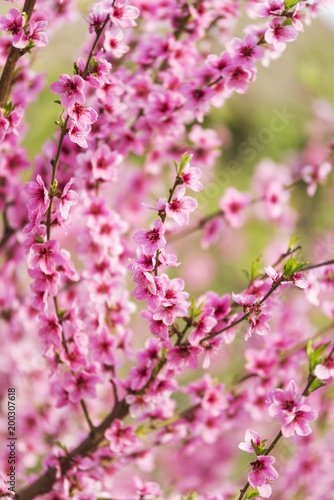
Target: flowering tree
x,y
121,376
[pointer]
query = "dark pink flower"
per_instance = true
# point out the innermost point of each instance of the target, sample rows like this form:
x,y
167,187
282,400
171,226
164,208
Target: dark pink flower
x,y
4,126
68,198
232,205
78,134
38,196
270,8
80,385
247,51
180,207
122,14
147,491
298,422
121,437
46,256
69,89
183,355
81,115
238,77
151,240
13,22
278,34
36,33
262,471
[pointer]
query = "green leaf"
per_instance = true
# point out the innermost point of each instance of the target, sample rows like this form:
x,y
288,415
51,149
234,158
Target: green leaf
x,y
195,310
292,242
191,496
185,159
255,269
316,384
290,3
252,494
8,109
293,265
320,349
314,355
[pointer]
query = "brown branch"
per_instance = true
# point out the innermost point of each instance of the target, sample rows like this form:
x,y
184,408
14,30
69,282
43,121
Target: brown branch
x,y
45,482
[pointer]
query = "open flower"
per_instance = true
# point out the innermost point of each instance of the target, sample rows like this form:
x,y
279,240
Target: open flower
x,y
262,472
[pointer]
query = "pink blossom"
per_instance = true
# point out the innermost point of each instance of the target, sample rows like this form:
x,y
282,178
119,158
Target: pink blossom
x,y
50,330
123,15
69,89
97,17
105,164
46,256
198,99
81,115
78,134
147,491
232,205
45,282
13,23
211,347
325,370
121,437
299,422
139,406
289,407
102,347
36,33
203,325
151,240
251,437
113,42
247,51
38,196
270,8
299,279
273,274
68,198
262,471
4,126
168,312
181,206
277,34
315,175
190,177
275,197
81,385
183,355
139,376
238,77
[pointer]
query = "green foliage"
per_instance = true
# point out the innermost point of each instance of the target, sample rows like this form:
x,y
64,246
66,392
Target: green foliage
x,y
259,450
316,384
293,265
195,310
255,270
290,3
252,494
185,160
315,355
